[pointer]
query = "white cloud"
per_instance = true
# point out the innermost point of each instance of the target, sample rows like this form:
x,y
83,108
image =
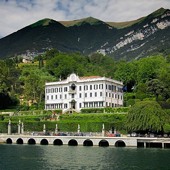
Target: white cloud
x,y
16,14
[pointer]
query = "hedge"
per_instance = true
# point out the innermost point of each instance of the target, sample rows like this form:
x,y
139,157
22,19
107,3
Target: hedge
x,y
38,112
101,117
64,126
67,122
106,110
28,118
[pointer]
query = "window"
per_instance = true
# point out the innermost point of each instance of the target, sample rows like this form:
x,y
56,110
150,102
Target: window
x,y
79,105
59,105
90,104
65,89
113,88
79,88
85,94
85,104
90,94
60,96
55,96
79,95
51,97
90,87
119,89
73,86
47,97
106,94
86,87
95,94
65,105
100,94
96,86
101,86
72,96
65,96
101,104
95,104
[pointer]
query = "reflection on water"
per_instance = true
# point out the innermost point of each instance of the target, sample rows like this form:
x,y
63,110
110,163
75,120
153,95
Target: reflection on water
x,y
48,157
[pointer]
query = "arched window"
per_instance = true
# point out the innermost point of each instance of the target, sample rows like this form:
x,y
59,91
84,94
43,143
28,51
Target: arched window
x,y
73,86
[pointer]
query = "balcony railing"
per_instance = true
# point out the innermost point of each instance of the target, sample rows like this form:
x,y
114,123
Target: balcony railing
x,y
72,91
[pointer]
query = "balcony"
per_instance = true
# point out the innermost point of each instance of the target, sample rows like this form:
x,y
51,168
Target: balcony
x,y
72,91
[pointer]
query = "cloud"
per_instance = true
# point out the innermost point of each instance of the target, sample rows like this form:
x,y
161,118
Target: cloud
x,y
16,14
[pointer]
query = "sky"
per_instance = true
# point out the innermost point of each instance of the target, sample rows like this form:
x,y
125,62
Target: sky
x,y
17,14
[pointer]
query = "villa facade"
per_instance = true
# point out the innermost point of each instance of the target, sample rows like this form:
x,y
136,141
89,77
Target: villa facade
x,y
76,93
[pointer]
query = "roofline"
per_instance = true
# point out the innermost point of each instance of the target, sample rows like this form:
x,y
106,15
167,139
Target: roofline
x,y
85,80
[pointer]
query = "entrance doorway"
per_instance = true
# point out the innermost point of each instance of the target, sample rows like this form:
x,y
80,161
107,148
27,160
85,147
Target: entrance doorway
x,y
73,104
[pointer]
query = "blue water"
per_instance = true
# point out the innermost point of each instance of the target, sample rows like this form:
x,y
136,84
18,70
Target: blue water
x,y
49,157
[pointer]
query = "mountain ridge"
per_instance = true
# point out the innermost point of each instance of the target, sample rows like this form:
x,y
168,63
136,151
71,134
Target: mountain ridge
x,y
127,40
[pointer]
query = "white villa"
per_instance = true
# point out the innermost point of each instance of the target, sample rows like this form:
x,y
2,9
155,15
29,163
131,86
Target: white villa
x,y
76,93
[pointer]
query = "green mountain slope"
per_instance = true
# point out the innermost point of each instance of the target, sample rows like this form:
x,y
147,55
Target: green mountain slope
x,y
127,40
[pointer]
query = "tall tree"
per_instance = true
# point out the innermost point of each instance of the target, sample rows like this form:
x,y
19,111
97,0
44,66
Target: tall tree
x,y
146,116
156,87
126,72
34,84
8,83
149,68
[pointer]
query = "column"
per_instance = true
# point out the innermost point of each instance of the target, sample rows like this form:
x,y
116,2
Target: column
x,y
9,127
103,131
19,127
44,129
78,129
144,143
56,129
22,128
115,132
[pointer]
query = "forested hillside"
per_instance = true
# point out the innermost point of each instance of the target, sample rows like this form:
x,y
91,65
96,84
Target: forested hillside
x,y
23,84
128,40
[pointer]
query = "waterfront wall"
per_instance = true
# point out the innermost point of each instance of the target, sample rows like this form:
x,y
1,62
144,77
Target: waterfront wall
x,y
86,141
67,140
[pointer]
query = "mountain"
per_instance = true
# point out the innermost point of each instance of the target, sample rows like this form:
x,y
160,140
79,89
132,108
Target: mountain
x,y
149,35
125,40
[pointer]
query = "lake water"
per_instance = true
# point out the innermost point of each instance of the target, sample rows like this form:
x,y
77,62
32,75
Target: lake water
x,y
49,157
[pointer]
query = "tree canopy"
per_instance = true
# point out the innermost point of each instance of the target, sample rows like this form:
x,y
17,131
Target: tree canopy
x,y
143,78
146,116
